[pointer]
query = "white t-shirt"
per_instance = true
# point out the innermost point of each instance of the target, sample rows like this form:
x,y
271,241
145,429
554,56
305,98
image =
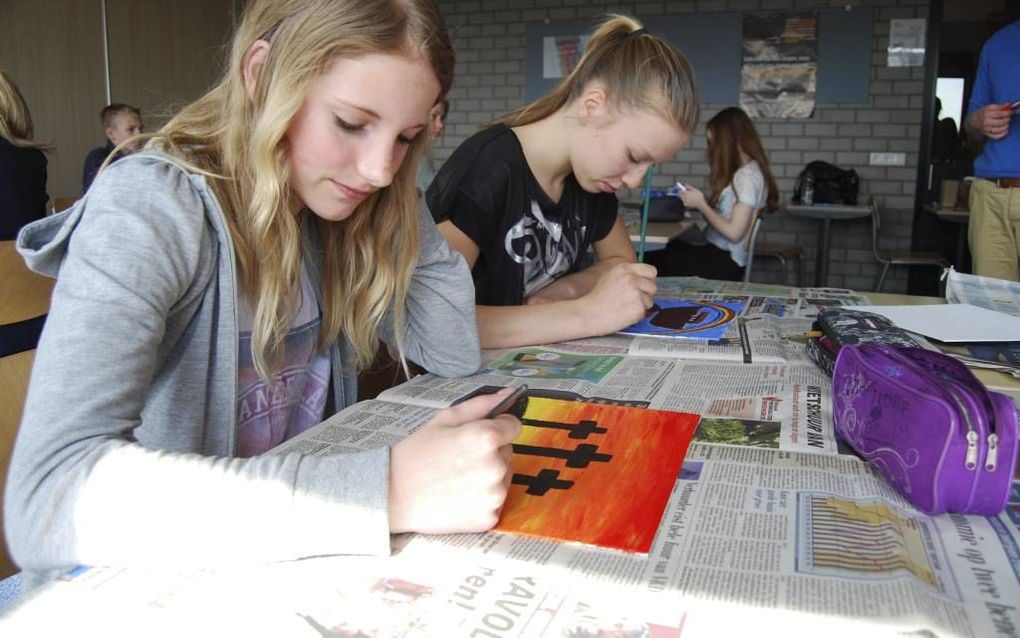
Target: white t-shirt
x,y
748,187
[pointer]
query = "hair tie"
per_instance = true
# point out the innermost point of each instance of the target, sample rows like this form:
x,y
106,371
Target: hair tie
x,y
637,32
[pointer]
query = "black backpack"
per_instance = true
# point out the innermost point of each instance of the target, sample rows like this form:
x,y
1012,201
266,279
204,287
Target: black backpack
x,y
833,185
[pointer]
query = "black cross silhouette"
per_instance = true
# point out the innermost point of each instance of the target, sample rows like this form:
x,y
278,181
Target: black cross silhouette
x,y
580,457
543,482
577,431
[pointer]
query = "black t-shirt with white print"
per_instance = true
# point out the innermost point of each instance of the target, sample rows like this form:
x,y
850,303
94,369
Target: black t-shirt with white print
x,y
525,240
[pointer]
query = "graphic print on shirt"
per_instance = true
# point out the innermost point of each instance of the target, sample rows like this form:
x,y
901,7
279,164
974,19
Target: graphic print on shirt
x,y
546,249
268,415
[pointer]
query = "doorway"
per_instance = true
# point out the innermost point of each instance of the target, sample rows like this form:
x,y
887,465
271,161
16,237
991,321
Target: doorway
x,y
958,30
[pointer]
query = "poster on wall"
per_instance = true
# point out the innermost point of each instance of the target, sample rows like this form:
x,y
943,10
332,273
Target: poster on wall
x,y
560,54
906,41
780,65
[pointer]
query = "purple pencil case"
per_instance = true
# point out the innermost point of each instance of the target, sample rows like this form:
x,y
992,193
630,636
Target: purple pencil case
x,y
937,434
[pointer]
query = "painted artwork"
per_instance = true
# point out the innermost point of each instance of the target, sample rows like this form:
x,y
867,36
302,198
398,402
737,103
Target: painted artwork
x,y
687,319
779,73
595,474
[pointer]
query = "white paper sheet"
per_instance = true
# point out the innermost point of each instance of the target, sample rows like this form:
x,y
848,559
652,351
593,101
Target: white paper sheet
x,y
952,322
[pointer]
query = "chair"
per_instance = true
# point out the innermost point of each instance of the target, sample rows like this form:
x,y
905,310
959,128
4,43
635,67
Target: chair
x,y
779,251
782,252
24,301
14,373
62,203
750,244
897,258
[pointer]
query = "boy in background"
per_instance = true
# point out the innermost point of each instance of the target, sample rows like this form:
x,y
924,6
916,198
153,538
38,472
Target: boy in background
x,y
120,122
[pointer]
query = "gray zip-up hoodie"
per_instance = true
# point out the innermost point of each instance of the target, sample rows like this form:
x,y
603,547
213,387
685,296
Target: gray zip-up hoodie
x,y
124,452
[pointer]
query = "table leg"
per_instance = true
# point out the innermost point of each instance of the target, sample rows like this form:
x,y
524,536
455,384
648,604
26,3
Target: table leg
x,y
822,257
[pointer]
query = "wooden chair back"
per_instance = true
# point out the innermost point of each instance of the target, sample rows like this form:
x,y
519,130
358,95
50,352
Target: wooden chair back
x,y
63,203
23,293
15,370
24,296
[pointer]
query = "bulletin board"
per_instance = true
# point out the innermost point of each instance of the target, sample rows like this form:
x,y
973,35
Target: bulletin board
x,y
712,41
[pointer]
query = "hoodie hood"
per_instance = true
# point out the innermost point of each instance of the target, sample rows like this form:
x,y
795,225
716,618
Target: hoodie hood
x,y
43,243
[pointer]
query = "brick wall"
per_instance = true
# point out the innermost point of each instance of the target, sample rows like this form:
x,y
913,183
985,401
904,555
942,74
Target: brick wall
x,y
489,39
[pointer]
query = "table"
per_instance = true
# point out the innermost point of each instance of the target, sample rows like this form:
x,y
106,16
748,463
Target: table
x,y
657,234
23,293
826,214
957,216
758,545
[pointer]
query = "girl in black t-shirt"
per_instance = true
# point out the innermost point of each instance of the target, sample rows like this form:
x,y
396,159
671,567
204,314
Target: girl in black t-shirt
x,y
524,199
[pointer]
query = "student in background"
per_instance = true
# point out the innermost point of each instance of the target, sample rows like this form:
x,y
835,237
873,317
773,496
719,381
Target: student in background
x,y
739,183
994,228
22,163
120,123
216,296
437,122
945,139
524,199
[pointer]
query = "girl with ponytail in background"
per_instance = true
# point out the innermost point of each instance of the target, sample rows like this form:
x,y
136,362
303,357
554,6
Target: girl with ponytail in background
x,y
525,198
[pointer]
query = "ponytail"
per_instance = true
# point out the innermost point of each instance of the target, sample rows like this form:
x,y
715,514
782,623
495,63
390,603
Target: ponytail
x,y
636,67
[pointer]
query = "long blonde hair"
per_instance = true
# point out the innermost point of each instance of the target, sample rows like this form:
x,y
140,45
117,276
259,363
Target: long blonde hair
x,y
369,258
636,67
15,119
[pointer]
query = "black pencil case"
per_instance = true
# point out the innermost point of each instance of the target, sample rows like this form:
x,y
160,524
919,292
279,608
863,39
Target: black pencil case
x,y
839,327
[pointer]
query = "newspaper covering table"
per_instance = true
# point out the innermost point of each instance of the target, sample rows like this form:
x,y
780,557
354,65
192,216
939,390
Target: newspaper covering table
x,y
807,543
992,294
778,531
781,399
984,292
